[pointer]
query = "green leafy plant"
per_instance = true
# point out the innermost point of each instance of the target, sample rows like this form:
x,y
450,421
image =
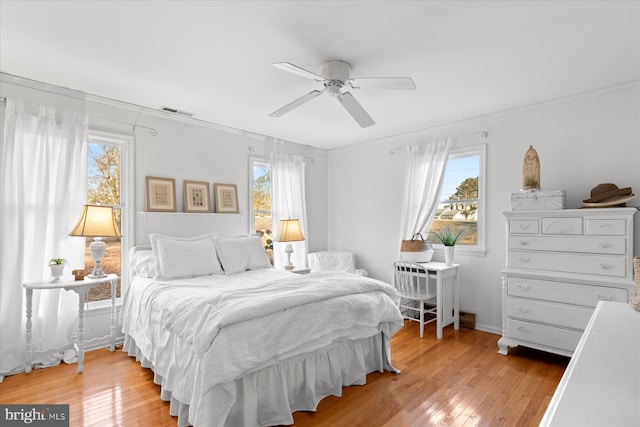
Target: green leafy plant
x,y
57,261
446,237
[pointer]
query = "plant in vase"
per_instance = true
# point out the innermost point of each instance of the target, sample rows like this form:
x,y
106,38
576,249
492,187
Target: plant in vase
x,y
57,268
448,239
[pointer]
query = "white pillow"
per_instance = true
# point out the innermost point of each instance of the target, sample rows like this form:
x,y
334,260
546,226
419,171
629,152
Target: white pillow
x,y
143,264
257,256
184,256
241,253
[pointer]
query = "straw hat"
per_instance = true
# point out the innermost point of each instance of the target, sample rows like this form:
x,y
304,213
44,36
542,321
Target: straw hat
x,y
607,195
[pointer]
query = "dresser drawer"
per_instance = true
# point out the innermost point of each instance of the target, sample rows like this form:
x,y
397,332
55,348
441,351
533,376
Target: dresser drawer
x,y
595,245
547,312
564,339
600,265
606,227
572,293
561,225
524,226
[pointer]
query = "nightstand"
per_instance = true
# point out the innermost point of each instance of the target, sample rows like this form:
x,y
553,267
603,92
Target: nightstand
x,y
80,287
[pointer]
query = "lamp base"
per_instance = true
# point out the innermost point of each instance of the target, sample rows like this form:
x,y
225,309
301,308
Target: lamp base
x,y
288,249
97,249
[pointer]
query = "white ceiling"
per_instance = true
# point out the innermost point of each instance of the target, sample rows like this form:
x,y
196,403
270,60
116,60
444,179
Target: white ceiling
x,y
212,58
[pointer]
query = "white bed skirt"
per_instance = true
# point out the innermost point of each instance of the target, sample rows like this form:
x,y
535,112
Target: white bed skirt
x,y
268,396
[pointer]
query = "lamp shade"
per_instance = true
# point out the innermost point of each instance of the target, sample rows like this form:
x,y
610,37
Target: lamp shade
x,y
96,221
290,231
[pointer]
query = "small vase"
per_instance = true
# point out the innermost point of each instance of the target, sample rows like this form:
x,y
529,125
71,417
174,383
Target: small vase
x,y
448,255
57,270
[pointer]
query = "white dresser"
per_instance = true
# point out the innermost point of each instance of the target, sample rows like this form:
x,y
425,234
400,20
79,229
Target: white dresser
x,y
560,264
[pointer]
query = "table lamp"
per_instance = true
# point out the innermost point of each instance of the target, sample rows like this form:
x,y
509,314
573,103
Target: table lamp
x,y
290,232
96,221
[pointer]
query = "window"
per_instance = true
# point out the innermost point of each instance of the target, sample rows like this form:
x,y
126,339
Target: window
x,y
106,186
461,206
261,203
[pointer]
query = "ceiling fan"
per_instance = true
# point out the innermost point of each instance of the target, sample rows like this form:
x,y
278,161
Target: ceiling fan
x,y
335,75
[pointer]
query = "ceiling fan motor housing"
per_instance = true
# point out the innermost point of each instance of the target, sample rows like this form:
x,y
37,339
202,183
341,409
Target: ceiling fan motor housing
x,y
335,70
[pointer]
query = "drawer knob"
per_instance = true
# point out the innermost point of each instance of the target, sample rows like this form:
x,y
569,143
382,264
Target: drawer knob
x,y
524,226
523,330
605,225
605,245
523,309
524,260
605,266
523,287
604,297
524,242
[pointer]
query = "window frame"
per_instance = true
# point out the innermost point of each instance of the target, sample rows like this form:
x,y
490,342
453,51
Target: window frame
x,y
126,211
480,248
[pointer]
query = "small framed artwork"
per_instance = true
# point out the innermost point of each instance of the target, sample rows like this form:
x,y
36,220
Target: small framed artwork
x,y
161,194
226,197
196,196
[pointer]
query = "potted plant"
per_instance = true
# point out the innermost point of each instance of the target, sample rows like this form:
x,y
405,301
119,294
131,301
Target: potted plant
x,y
57,268
448,239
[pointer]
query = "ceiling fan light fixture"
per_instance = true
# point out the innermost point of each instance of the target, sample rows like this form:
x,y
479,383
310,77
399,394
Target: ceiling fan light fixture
x,y
333,88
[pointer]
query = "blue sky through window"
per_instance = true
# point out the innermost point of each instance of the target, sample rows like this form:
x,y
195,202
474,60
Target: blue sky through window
x,y
459,169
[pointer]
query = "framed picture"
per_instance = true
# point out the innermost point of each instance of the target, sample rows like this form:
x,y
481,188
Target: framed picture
x,y
161,194
196,196
226,197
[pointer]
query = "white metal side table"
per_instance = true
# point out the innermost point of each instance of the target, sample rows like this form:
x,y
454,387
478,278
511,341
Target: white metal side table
x,y
80,287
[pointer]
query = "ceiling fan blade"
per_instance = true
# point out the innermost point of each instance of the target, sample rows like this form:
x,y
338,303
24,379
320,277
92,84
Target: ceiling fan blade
x,y
396,83
355,109
298,102
287,66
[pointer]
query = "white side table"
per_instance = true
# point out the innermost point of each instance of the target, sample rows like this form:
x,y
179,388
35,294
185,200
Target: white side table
x,y
81,287
448,294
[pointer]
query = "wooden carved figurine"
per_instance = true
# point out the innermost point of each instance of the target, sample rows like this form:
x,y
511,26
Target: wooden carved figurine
x,y
531,170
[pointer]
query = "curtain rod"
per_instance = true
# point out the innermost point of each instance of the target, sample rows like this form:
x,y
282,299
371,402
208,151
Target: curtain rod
x,y
483,134
152,131
252,149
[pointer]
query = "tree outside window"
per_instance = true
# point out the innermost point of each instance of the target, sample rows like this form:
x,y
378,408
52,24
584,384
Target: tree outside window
x,y
261,206
104,180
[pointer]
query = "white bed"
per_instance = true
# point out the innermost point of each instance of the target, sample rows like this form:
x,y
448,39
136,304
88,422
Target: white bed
x,y
248,348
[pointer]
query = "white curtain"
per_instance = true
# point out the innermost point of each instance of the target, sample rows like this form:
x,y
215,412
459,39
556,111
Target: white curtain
x,y
43,180
289,202
425,172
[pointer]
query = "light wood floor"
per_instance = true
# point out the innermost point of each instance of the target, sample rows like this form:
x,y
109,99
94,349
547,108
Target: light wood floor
x,y
459,380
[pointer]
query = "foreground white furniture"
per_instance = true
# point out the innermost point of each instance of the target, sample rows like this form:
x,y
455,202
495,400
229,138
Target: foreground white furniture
x,y
601,386
560,263
80,287
425,281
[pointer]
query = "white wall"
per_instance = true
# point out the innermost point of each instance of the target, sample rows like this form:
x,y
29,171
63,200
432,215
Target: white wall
x,y
582,141
181,149
354,194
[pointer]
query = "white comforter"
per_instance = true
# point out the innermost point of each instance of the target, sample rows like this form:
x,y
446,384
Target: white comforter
x,y
212,330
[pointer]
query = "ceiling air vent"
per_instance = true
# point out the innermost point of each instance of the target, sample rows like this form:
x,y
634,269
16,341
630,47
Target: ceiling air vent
x,y
176,111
